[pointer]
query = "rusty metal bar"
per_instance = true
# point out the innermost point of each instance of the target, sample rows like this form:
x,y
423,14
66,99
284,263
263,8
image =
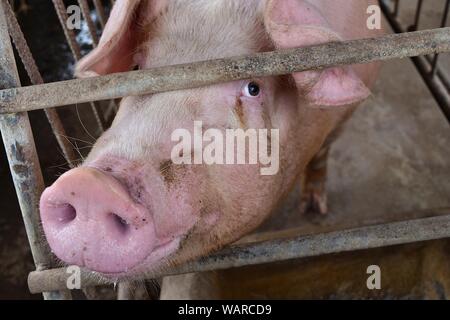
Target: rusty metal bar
x,y
84,6
415,25
209,72
61,11
434,63
112,108
275,248
130,290
396,7
23,161
70,34
100,13
36,78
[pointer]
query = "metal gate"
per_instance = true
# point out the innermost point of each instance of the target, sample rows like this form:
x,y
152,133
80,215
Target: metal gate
x,y
15,101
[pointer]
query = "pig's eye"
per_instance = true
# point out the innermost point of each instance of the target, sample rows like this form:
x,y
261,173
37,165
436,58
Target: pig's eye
x,y
252,89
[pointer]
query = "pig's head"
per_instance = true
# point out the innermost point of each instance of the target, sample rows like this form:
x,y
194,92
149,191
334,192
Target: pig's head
x,y
129,208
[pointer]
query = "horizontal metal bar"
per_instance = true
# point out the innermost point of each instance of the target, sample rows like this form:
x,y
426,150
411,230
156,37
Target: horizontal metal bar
x,y
22,157
222,70
279,249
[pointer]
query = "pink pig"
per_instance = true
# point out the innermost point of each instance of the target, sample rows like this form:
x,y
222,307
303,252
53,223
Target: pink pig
x,y
128,209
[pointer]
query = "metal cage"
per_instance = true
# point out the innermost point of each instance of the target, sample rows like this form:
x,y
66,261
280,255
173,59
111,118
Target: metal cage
x,y
437,80
15,101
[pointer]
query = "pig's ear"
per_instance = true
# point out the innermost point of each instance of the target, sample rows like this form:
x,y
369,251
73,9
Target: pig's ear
x,y
297,23
120,39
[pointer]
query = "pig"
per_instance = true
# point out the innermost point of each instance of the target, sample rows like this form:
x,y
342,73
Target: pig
x,y
129,211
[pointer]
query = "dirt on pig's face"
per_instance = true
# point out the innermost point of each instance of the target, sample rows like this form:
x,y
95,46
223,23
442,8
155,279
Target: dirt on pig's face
x,y
194,208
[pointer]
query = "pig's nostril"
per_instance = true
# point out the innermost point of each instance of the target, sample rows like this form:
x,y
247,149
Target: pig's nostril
x,y
121,224
66,213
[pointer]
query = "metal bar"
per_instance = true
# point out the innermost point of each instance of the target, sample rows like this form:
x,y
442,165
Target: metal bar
x,y
112,108
23,161
61,11
396,7
446,13
132,290
415,25
438,72
100,13
222,70
439,92
434,64
36,78
84,6
279,249
70,34
443,23
125,291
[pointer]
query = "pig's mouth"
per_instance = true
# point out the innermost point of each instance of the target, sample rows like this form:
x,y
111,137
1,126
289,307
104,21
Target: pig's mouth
x,y
90,220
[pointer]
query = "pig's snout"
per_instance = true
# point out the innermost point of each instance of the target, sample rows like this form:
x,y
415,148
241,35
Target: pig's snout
x,y
90,220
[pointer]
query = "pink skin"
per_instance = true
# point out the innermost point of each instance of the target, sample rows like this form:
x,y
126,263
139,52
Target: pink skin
x,y
94,211
170,214
117,215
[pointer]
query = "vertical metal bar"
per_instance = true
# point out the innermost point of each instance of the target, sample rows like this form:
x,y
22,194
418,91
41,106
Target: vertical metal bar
x,y
23,161
75,48
446,13
100,13
36,78
415,26
396,8
125,291
443,23
70,35
87,16
439,92
112,106
132,290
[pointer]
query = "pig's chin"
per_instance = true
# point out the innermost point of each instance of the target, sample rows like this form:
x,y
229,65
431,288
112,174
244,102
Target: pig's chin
x,y
153,262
